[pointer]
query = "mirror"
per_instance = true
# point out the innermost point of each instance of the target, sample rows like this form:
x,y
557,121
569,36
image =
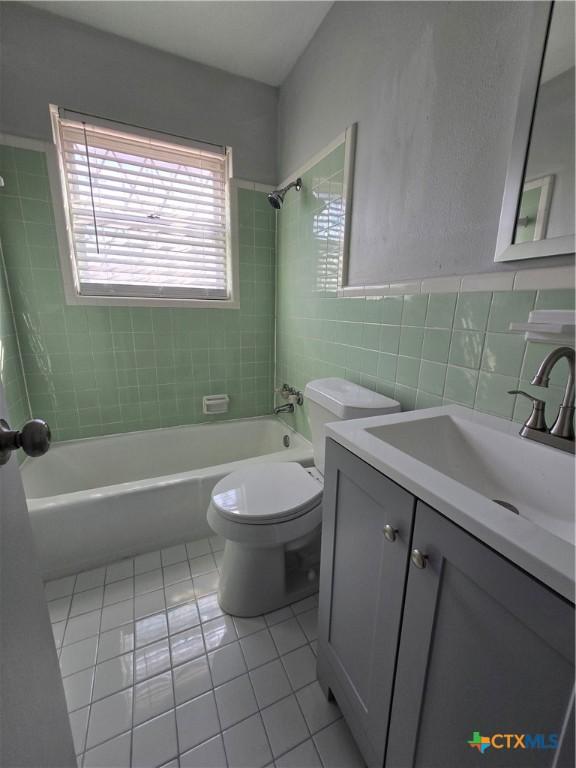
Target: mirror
x,y
538,209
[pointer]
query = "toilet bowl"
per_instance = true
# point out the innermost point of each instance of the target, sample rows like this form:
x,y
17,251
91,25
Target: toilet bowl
x,y
270,514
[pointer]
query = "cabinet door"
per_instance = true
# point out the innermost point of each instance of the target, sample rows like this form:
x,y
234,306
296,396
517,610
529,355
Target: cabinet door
x,y
361,592
485,649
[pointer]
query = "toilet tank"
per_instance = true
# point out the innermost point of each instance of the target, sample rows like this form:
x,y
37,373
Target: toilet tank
x,y
336,399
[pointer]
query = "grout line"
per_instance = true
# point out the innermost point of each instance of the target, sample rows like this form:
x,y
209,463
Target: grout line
x,y
243,720
293,693
255,698
133,702
279,657
221,733
174,690
92,686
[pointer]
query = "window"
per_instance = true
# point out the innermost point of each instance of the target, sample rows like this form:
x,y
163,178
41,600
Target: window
x,y
147,218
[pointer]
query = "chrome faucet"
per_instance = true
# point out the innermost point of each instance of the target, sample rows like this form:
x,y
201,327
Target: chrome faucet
x,y
287,392
563,426
561,433
288,408
294,397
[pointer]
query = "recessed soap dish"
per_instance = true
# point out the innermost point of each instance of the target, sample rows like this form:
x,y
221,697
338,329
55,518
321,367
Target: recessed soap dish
x,y
215,404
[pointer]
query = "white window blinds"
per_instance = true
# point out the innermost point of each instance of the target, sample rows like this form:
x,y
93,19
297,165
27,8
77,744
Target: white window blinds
x,y
147,218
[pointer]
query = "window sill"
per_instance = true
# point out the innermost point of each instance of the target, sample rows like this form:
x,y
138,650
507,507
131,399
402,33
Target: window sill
x,y
141,301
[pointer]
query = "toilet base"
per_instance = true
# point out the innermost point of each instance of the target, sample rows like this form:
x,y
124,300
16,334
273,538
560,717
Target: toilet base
x,y
256,580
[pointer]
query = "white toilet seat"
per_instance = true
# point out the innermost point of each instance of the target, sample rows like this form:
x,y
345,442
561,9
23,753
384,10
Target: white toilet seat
x,y
266,494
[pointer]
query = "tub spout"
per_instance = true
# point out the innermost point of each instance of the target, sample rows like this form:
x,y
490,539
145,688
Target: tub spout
x,y
288,408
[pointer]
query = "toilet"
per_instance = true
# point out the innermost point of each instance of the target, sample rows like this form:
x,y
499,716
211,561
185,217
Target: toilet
x,y
270,514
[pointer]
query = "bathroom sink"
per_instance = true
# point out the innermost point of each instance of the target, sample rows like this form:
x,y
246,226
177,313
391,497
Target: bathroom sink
x,y
497,465
517,495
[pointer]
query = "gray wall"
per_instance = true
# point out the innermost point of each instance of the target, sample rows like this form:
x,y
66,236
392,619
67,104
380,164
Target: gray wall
x,y
47,59
433,88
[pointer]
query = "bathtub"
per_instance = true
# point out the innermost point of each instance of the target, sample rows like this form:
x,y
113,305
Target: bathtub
x,y
100,499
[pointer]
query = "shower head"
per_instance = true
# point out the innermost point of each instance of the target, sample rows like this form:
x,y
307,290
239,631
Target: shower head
x,y
276,198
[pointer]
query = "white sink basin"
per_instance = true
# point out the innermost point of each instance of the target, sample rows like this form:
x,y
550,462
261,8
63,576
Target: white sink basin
x,y
459,461
494,464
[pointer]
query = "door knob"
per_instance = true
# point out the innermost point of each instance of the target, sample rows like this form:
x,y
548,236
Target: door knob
x,y
418,558
34,438
390,533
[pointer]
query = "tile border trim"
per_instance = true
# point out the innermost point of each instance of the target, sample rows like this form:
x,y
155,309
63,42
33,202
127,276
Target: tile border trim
x,y
22,142
522,280
316,157
253,186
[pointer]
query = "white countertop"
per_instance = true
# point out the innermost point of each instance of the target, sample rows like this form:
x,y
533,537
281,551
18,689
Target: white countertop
x,y
488,454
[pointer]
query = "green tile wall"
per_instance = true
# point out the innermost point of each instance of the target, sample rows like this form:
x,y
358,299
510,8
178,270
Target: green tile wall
x,y
11,374
100,370
423,350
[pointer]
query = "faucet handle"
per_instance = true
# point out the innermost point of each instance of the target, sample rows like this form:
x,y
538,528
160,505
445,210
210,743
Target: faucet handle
x,y
283,391
536,420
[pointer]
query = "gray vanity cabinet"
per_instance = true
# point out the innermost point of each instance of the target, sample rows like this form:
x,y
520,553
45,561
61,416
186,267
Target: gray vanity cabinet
x,y
484,647
361,592
424,648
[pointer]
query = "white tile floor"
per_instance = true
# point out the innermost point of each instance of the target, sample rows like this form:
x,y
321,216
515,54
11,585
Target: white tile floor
x,y
156,675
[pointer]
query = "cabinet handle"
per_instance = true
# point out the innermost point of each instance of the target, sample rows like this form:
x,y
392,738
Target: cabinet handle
x,y
418,558
390,533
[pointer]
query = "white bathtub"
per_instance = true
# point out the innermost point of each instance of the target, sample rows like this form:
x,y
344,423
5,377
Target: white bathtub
x,y
97,500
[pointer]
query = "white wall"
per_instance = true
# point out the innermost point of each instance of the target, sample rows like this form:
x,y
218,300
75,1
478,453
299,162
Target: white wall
x,y
34,726
433,87
45,58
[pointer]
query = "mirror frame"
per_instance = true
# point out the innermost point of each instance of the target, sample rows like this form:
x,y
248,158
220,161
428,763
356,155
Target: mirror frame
x,y
506,248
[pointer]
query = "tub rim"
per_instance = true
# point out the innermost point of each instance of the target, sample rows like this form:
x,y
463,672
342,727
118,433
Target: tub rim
x,y
302,454
176,427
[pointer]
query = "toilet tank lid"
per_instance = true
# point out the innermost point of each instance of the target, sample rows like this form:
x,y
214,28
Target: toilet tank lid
x,y
347,400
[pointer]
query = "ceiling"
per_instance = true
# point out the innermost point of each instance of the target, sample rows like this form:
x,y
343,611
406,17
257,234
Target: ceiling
x,y
260,40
